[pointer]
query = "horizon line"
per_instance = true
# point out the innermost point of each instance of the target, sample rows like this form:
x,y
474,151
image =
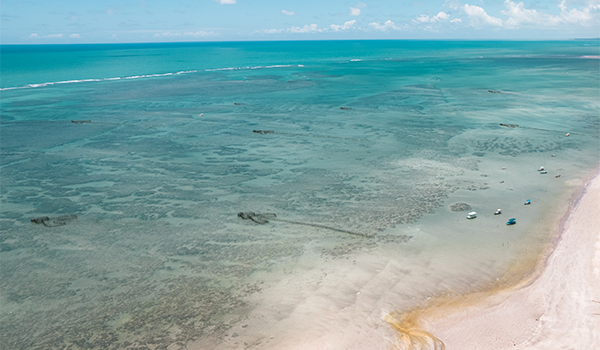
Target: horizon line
x,y
293,40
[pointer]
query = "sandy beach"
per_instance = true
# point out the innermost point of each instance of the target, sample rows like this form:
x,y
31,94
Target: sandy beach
x,y
557,308
346,306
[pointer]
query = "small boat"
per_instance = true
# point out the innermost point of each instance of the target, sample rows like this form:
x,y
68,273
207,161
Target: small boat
x,y
527,202
543,172
511,221
554,155
471,215
541,168
498,212
557,175
568,134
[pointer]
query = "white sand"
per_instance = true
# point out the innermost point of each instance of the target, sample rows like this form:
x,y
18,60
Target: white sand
x,y
344,305
557,309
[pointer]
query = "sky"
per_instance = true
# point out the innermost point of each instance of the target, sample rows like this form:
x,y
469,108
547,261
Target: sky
x,y
127,21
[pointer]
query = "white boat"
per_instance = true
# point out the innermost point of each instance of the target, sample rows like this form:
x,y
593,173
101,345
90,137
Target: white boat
x,y
498,212
471,215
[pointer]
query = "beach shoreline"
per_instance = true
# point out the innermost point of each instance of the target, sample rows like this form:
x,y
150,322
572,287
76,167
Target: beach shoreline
x,y
341,305
556,307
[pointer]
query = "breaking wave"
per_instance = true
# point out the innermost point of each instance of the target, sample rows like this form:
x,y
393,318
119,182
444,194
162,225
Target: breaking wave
x,y
29,86
255,67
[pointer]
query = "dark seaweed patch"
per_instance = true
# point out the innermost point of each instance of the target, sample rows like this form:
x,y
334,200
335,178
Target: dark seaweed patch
x,y
456,207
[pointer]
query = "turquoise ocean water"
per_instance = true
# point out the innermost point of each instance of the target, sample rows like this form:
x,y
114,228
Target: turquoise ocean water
x,y
371,154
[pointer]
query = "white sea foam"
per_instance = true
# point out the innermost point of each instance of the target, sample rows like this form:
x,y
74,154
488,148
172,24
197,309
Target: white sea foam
x,y
36,85
216,69
274,66
73,81
255,67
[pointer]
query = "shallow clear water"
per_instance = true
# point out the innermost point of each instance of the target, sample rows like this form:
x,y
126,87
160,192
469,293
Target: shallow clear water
x,y
157,255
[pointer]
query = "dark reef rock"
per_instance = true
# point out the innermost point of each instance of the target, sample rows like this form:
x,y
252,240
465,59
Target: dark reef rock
x,y
460,207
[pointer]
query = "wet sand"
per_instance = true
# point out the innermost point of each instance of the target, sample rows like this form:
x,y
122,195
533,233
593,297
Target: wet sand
x,y
344,303
556,308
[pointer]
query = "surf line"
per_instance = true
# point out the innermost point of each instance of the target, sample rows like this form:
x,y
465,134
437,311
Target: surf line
x,y
263,132
37,85
156,75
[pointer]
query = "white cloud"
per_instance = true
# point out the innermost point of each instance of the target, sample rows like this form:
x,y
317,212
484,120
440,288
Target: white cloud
x,y
427,19
441,15
354,11
584,17
345,26
306,29
519,15
310,28
385,26
225,2
479,17
199,33
269,31
453,4
36,36
288,13
75,36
